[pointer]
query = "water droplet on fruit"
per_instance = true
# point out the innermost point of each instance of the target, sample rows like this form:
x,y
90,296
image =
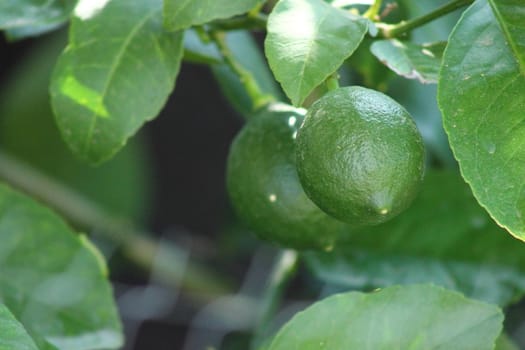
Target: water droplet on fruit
x,y
383,211
292,120
294,135
272,198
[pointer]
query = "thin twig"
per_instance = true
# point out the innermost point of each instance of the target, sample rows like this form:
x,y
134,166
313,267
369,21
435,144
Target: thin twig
x,y
392,31
136,245
246,77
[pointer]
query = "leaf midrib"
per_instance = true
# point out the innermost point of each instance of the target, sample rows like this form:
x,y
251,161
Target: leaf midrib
x,y
111,74
501,20
180,9
311,45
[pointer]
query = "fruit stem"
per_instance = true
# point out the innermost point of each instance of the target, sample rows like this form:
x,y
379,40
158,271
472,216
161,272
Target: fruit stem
x,y
259,99
283,270
167,262
373,10
392,31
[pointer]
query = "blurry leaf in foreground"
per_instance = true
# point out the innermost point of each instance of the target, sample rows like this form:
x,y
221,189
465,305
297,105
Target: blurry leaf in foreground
x,y
23,18
53,281
399,317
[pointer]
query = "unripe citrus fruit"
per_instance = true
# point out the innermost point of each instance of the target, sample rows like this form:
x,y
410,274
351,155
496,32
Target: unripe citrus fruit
x,y
264,187
360,156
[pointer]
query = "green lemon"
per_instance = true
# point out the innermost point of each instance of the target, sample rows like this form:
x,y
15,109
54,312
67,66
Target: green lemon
x,y
360,157
264,187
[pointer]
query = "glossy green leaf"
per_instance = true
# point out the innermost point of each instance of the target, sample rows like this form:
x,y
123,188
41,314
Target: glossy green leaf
x,y
195,50
249,56
307,41
12,333
445,238
410,60
28,132
23,18
399,317
53,281
116,73
481,96
181,14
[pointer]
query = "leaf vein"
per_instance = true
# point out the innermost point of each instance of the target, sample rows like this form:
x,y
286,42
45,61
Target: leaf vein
x,y
113,68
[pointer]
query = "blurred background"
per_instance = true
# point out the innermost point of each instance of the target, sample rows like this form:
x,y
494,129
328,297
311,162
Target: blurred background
x,y
197,281
168,182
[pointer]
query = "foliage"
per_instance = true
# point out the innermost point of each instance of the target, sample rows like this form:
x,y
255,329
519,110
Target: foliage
x,y
117,71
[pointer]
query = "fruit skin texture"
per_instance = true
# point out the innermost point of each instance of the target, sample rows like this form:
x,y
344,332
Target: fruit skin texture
x,y
264,187
360,156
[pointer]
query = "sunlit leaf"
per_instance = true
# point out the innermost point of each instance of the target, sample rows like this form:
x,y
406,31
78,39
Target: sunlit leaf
x,y
481,97
408,317
181,14
307,41
116,73
28,132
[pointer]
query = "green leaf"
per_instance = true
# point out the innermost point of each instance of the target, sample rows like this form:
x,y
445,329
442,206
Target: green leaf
x,y
410,60
116,73
181,14
53,281
14,336
22,18
29,31
307,41
481,97
199,52
28,132
445,238
249,56
409,317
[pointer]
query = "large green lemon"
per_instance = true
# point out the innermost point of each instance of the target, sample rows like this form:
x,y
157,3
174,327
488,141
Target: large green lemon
x,y
360,157
264,187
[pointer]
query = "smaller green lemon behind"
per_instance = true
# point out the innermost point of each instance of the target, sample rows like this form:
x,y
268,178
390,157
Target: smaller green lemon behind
x,y
264,187
360,156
